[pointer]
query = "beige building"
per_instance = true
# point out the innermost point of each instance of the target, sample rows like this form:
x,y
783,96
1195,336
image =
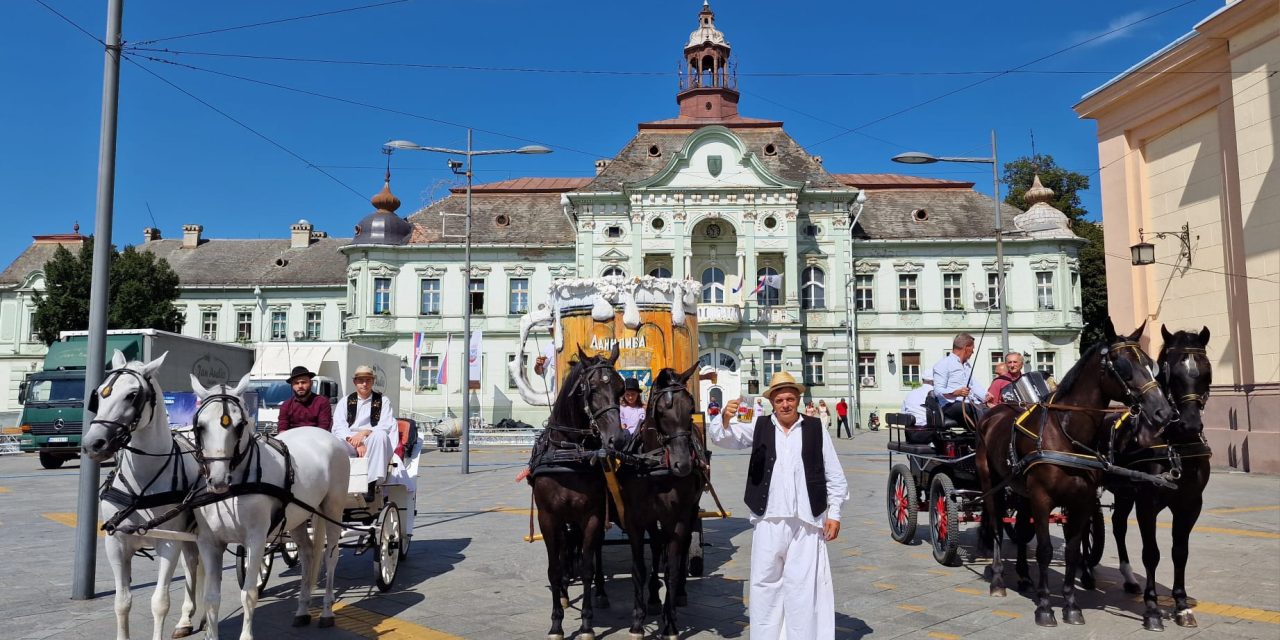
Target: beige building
x,y
1187,139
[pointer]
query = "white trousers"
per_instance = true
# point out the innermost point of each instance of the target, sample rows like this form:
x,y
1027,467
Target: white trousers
x,y
791,591
377,451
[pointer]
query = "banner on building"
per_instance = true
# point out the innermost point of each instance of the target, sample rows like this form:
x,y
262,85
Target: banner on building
x,y
474,360
442,376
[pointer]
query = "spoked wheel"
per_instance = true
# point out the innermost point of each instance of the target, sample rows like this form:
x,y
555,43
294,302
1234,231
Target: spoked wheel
x,y
264,569
387,543
944,520
1095,538
289,553
901,497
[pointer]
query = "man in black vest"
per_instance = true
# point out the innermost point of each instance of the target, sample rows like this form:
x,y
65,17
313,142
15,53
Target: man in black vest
x,y
366,423
795,487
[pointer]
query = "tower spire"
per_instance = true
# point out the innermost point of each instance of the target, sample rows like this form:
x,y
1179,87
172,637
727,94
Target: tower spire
x,y
708,85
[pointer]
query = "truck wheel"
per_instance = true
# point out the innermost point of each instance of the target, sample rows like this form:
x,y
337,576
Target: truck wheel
x,y
50,461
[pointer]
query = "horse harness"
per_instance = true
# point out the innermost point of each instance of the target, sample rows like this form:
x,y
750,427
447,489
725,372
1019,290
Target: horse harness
x,y
571,456
118,433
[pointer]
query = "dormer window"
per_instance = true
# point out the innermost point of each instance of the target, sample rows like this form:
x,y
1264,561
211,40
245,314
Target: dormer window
x,y
613,231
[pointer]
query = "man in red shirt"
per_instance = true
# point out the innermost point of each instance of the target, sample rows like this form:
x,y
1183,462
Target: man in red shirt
x,y
1013,371
842,418
304,409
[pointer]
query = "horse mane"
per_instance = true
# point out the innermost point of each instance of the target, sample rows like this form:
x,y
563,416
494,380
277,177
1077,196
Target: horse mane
x,y
1074,374
666,378
563,412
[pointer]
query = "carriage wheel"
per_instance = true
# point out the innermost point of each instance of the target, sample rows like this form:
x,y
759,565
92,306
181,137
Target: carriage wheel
x,y
289,553
1095,538
264,570
901,499
387,543
944,520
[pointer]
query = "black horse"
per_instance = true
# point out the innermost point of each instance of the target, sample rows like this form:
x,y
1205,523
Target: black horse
x,y
1185,374
1049,455
568,490
660,494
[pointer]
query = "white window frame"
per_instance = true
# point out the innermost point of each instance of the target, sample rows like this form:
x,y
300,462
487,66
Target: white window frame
x,y
813,290
244,325
713,285
1044,291
613,270
660,272
908,292
910,373
767,296
381,295
474,286
952,292
428,371
517,296
771,360
864,292
866,363
314,325
814,369
993,290
429,297
282,316
1049,358
209,324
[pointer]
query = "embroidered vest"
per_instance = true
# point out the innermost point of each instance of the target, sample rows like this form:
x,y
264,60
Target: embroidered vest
x,y
764,455
375,410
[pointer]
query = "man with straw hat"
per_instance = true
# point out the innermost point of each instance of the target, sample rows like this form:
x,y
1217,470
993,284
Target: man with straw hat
x,y
366,423
795,487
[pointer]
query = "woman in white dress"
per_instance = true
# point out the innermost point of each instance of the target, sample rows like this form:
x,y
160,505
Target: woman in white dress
x,y
824,414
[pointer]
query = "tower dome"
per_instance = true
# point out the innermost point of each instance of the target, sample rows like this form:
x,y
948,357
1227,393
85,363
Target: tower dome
x,y
383,226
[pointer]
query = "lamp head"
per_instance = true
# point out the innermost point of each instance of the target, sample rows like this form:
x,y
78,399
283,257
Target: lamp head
x,y
914,157
533,149
401,144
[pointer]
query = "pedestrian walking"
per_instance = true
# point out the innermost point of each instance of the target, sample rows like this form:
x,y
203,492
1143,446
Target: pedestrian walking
x,y
824,414
795,487
842,418
811,410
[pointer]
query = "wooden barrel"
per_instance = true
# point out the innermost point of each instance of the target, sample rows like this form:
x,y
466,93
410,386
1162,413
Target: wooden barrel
x,y
653,321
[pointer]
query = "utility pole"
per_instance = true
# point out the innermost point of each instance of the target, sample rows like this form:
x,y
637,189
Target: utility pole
x,y
86,548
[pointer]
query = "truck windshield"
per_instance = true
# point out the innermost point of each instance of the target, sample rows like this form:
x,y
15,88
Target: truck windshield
x,y
58,390
271,393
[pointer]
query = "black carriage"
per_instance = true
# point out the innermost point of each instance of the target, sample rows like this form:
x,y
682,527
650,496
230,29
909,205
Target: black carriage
x,y
932,468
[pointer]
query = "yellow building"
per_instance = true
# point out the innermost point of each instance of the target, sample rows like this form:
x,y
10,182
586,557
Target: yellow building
x,y
1187,140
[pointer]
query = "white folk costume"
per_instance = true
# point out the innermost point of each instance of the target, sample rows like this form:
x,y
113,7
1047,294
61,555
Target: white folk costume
x,y
381,442
794,485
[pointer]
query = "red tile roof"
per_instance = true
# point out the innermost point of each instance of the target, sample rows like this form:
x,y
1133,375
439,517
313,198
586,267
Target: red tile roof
x,y
527,185
897,181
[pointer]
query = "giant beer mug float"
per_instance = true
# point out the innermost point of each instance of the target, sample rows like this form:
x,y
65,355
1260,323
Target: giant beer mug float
x,y
653,321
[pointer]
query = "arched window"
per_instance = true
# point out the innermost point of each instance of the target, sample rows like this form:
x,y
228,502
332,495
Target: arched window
x,y
770,287
614,271
713,285
813,289
660,272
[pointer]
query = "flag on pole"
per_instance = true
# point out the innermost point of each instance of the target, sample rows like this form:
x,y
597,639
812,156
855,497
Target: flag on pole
x,y
739,287
473,359
442,376
417,352
774,281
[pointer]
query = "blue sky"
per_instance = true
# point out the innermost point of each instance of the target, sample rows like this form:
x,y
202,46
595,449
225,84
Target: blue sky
x,y
191,165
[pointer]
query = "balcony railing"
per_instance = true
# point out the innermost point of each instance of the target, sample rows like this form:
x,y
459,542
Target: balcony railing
x,y
719,317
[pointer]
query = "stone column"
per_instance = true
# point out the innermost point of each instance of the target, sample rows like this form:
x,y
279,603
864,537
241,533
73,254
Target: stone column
x,y
791,266
637,243
679,240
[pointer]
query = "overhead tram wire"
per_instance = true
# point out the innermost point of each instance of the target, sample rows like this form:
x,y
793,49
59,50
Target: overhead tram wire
x,y
70,22
1179,265
1001,74
248,128
268,22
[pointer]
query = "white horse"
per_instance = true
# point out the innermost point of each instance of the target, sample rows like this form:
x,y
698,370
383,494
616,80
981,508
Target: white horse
x,y
131,422
231,453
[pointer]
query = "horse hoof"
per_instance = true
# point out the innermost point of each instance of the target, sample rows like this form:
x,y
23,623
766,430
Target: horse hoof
x,y
998,591
555,636
1152,622
325,623
1072,616
302,621
635,635
564,602
1024,585
182,632
1046,619
1186,618
682,600
586,635
1132,587
671,636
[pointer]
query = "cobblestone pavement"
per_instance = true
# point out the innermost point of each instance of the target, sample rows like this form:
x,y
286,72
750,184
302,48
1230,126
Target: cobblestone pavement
x,y
470,575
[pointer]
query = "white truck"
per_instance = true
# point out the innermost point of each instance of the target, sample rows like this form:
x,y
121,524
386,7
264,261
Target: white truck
x,y
332,362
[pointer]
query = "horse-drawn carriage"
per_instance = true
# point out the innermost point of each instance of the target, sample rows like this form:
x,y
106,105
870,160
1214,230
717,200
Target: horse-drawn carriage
x,y
938,474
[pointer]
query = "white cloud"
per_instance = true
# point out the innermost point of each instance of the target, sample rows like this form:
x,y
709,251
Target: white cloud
x,y
1109,33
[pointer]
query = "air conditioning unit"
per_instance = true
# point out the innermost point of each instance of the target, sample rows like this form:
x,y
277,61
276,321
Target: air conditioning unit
x,y
868,381
981,300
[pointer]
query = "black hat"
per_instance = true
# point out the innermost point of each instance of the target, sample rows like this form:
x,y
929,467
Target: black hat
x,y
631,384
298,372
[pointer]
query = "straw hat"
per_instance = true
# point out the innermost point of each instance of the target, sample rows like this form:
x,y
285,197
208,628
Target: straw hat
x,y
783,380
364,371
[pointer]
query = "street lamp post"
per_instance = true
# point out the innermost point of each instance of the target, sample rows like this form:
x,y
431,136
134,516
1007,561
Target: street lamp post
x,y
854,386
454,165
916,157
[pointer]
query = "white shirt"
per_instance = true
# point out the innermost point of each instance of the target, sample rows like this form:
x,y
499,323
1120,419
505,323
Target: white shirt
x,y
914,403
949,374
788,493
386,420
631,417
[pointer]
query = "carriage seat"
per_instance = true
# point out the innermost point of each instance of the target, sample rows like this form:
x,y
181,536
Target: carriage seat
x,y
408,437
934,416
913,434
909,447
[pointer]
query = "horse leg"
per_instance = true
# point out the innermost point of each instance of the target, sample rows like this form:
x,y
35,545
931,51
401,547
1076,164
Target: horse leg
x,y
655,579
1119,528
638,609
1044,555
120,554
592,539
602,598
167,560
1073,531
191,566
328,537
1184,520
551,535
994,513
211,552
255,543
1022,534
307,556
1151,618
674,573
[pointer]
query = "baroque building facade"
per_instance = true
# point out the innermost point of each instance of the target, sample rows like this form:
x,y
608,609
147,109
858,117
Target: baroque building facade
x,y
858,282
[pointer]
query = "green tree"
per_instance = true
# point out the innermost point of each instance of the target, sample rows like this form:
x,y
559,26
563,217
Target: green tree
x,y
143,289
1066,186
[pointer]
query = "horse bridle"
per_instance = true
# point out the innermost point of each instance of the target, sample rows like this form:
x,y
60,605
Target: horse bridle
x,y
665,440
118,433
1198,398
224,400
1133,397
